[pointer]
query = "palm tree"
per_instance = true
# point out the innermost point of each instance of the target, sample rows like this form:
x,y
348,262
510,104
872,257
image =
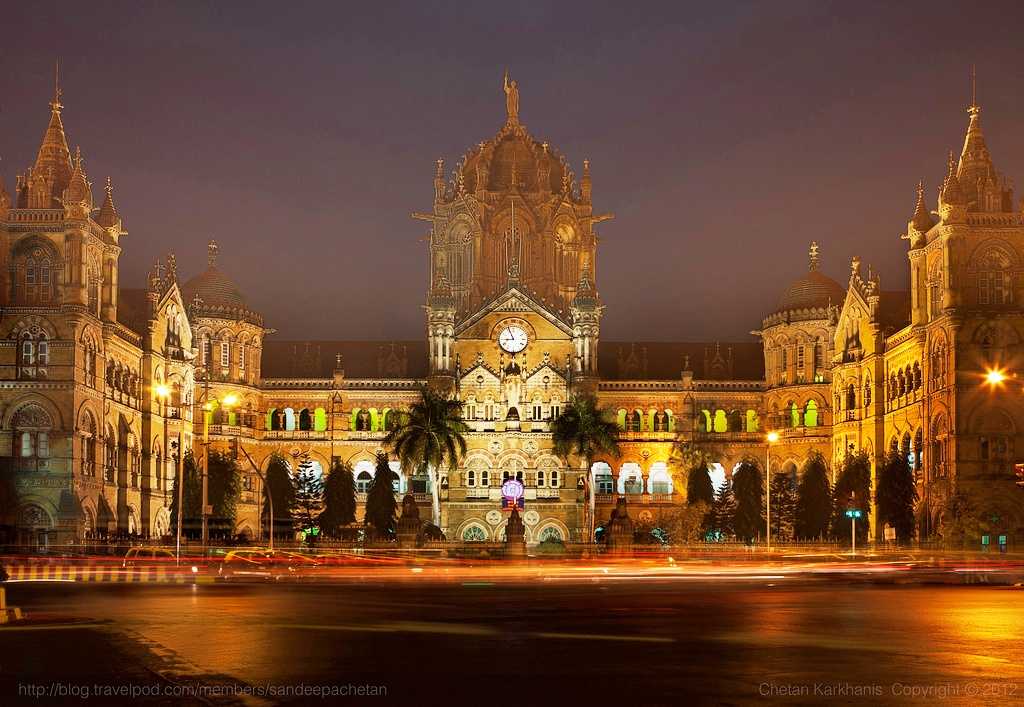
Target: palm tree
x,y
586,431
429,436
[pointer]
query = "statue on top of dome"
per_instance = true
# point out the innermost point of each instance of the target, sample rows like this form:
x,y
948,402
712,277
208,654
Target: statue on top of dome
x,y
511,100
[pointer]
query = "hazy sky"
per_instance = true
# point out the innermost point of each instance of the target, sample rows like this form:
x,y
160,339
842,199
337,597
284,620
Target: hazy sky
x,y
725,137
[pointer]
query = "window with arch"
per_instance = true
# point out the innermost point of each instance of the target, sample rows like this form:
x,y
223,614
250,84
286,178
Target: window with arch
x,y
550,534
995,284
35,277
633,421
867,393
32,426
320,420
474,534
556,408
241,357
363,473
33,353
811,414
800,363
87,429
794,415
470,409
935,292
225,354
603,480
851,397
305,420
721,423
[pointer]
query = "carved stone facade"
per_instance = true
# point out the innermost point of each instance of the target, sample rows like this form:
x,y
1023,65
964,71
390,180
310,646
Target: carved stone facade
x,y
513,324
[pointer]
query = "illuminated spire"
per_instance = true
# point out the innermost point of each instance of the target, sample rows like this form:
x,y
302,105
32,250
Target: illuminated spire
x,y
951,191
975,166
108,216
54,153
812,255
211,253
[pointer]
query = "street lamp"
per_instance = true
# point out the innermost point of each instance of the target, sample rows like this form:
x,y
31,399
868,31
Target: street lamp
x,y
771,438
163,392
229,400
995,377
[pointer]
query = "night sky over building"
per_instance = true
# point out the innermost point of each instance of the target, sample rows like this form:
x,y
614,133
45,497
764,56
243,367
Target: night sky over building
x,y
724,138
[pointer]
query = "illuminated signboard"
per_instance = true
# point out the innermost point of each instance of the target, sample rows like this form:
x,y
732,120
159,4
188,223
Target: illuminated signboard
x,y
512,494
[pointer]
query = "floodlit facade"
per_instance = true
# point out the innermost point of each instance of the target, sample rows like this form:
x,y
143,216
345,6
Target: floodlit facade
x,y
101,386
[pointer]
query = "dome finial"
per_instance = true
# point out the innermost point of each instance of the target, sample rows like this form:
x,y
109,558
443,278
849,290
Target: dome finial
x,y
813,256
211,253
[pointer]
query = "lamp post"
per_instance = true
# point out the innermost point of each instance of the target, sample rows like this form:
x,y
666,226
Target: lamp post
x,y
771,439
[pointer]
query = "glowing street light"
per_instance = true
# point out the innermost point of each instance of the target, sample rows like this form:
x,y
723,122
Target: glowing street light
x,y
995,377
229,400
771,438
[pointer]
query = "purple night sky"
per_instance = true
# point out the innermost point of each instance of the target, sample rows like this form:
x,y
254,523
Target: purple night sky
x,y
725,137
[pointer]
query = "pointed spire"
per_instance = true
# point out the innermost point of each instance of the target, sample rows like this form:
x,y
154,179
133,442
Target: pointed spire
x,y
951,190
975,167
77,198
54,154
108,216
921,220
812,256
212,249
585,185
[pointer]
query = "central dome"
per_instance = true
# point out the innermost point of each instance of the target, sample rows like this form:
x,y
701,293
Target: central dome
x,y
220,296
513,151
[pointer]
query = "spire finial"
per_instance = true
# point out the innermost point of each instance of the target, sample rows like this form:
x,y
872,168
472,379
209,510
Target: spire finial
x,y
211,253
813,256
109,188
55,105
974,108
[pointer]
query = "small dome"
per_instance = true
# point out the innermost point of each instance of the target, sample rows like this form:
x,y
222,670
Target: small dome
x,y
812,290
219,294
513,151
215,289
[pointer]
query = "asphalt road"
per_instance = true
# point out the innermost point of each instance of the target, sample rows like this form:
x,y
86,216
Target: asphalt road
x,y
591,641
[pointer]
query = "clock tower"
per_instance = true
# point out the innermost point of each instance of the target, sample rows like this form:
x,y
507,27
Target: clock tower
x,y
513,315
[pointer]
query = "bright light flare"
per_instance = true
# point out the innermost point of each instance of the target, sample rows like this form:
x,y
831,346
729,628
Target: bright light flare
x,y
995,377
773,437
162,391
230,399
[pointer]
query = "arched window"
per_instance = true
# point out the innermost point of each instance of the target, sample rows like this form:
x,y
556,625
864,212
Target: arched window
x,y
811,414
918,450
320,420
363,473
735,421
289,419
474,534
851,397
935,291
633,421
32,425
603,481
550,534
631,479
721,421
752,422
994,280
706,425
305,420
917,376
794,415
659,480
225,354
390,419
556,408
35,278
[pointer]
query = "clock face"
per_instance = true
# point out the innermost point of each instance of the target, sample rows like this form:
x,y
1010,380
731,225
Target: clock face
x,y
513,339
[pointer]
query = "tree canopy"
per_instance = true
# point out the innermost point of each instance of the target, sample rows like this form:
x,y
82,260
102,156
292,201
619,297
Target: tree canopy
x,y
813,500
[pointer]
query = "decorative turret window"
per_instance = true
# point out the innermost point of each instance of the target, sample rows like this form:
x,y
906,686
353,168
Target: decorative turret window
x,y
225,354
994,279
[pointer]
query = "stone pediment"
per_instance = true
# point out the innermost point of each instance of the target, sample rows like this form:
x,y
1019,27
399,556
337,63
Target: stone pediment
x,y
514,300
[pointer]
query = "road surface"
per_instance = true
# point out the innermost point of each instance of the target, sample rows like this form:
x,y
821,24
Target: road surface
x,y
585,641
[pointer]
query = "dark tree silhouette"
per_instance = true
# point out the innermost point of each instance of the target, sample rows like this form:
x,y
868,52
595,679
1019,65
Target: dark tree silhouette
x,y
381,506
896,495
852,490
339,499
748,488
813,500
309,500
279,486
783,492
192,498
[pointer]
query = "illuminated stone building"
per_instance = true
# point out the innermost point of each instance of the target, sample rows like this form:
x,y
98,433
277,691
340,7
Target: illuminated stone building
x,y
100,382
87,440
